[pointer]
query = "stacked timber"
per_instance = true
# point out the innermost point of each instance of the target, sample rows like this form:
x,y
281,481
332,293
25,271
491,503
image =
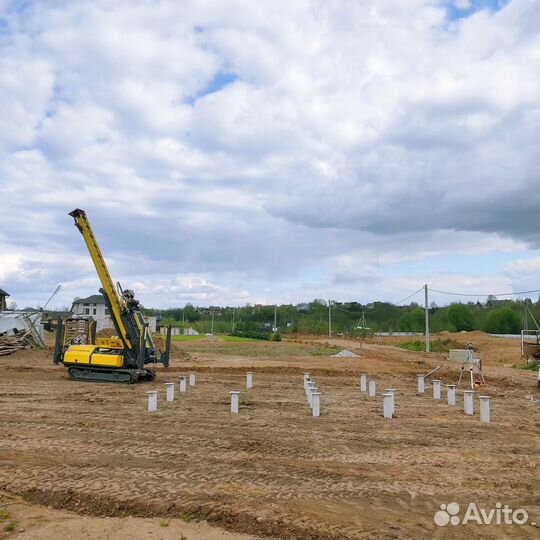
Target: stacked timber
x,y
22,339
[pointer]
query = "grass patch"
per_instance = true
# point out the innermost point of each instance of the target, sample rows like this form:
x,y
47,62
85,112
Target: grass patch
x,y
11,526
239,339
258,348
437,345
184,516
413,345
187,338
532,366
323,351
164,522
240,346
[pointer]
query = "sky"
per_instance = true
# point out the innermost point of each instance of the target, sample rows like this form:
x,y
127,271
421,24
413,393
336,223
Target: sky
x,y
234,152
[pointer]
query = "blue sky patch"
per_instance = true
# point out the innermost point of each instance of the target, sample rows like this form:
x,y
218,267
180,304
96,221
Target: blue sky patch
x,y
455,12
221,80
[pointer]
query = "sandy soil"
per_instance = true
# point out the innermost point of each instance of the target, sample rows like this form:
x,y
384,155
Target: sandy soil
x,y
36,522
273,470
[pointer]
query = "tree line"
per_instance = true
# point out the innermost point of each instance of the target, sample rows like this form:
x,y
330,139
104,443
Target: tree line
x,y
352,318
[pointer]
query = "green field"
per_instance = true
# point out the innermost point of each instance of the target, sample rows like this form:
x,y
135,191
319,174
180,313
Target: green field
x,y
240,346
187,338
239,339
437,345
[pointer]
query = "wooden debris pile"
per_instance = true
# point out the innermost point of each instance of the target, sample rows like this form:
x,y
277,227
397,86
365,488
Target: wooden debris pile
x,y
19,339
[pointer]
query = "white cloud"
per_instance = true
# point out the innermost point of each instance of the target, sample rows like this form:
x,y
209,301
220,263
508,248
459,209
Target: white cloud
x,y
524,274
26,86
523,267
10,265
350,136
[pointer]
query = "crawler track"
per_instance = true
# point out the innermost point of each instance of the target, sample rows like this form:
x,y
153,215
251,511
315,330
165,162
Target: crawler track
x,y
122,376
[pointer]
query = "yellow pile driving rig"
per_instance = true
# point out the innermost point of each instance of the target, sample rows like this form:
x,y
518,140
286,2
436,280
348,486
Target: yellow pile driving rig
x,y
121,358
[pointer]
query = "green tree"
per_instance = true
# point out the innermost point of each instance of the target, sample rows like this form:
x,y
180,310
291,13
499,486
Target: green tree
x,y
460,317
412,321
503,321
404,323
190,314
439,320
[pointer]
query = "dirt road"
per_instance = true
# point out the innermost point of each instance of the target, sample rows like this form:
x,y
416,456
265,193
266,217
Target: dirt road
x,y
273,470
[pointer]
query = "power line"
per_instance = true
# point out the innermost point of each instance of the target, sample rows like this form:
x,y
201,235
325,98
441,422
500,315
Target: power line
x,y
354,313
410,296
468,294
395,303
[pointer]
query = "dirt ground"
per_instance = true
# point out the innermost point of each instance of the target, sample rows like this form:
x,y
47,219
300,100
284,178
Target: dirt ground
x,y
83,460
35,522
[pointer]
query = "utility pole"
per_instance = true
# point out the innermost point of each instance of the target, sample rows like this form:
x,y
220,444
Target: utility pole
x,y
212,331
52,295
329,318
427,316
275,318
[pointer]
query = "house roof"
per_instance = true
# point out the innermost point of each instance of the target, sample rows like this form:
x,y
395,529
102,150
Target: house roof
x,y
93,299
3,293
54,314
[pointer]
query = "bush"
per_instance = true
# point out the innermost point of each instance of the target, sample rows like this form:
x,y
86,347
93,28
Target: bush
x,y
436,345
250,330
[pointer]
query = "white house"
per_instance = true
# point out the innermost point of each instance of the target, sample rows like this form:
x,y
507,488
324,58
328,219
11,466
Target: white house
x,y
95,307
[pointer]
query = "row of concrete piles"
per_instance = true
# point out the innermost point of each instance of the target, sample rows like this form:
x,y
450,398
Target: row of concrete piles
x,y
183,382
468,397
313,395
183,386
389,396
369,386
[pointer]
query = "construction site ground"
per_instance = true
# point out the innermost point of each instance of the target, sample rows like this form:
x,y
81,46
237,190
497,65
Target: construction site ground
x,y
86,460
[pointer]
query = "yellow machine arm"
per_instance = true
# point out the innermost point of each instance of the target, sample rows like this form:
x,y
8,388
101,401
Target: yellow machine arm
x,y
82,223
118,359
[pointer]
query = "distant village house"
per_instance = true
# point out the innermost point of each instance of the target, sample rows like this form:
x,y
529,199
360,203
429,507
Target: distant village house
x,y
95,307
3,303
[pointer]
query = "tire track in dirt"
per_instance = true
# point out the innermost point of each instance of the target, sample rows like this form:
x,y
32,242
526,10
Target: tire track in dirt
x,y
271,470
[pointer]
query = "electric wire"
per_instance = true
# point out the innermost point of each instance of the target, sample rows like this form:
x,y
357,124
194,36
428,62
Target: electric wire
x,y
410,296
440,292
469,294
